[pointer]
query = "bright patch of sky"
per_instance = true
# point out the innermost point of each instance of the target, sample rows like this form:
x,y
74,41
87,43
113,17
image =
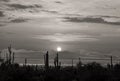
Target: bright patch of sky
x,y
71,24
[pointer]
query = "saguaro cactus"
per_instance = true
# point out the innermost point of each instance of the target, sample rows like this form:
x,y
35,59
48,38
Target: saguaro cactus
x,y
79,64
111,62
13,58
7,57
0,54
10,53
56,61
46,60
1,60
25,61
72,62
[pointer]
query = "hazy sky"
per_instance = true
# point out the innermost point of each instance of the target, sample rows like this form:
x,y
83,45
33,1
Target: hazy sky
x,y
86,28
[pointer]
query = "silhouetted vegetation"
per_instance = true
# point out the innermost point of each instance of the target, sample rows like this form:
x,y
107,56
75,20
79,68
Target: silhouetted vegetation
x,y
87,72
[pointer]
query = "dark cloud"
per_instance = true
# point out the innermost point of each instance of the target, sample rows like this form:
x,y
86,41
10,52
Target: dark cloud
x,y
54,12
19,20
59,2
90,20
1,14
1,25
20,6
109,16
5,0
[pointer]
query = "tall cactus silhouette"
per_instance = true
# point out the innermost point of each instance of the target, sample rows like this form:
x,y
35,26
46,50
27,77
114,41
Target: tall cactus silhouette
x,y
25,61
1,60
111,62
56,61
13,58
10,53
79,64
46,60
0,54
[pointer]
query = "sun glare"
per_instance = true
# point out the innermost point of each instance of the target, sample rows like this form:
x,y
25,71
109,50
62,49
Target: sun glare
x,y
59,49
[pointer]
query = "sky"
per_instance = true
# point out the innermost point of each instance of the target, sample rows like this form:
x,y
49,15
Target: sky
x,y
82,28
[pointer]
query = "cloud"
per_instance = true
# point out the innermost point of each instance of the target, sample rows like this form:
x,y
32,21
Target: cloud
x,y
82,54
93,19
1,25
107,16
54,12
58,37
59,2
18,51
19,20
21,6
1,14
5,0
22,51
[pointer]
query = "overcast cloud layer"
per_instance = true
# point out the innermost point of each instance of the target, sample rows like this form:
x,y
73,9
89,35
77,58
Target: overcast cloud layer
x,y
90,25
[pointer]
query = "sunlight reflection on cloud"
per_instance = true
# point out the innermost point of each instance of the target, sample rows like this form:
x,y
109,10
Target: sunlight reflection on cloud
x,y
58,37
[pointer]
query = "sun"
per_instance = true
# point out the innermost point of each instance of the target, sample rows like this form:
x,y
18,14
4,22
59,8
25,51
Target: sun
x,y
59,49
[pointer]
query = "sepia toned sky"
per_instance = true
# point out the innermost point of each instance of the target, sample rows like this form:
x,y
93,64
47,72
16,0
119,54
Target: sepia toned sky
x,y
85,28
